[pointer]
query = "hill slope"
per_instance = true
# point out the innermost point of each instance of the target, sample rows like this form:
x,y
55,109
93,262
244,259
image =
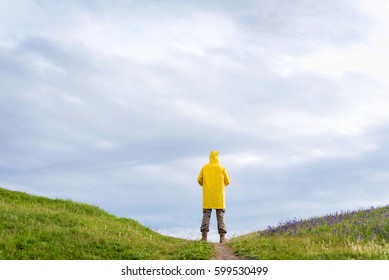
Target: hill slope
x,y
33,227
362,234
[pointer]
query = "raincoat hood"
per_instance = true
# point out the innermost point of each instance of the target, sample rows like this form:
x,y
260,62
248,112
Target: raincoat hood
x,y
214,157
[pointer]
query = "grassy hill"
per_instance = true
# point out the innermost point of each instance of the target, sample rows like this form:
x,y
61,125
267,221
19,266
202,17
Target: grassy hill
x,y
33,227
362,234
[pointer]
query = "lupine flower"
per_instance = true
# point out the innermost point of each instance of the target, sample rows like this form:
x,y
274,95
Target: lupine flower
x,y
360,224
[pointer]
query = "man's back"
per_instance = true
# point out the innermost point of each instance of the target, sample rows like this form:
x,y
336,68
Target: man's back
x,y
213,178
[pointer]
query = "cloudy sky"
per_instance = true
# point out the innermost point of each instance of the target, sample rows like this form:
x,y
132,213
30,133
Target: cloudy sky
x,y
118,103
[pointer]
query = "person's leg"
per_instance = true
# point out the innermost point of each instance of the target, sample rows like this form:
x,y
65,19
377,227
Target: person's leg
x,y
205,223
221,226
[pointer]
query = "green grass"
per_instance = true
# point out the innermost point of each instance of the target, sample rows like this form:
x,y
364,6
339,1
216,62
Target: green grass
x,y
362,234
33,227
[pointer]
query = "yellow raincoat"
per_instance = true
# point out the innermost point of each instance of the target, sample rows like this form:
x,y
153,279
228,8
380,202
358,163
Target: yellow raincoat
x,y
213,178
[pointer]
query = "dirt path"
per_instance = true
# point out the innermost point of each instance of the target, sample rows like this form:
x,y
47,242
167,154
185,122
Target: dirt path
x,y
222,252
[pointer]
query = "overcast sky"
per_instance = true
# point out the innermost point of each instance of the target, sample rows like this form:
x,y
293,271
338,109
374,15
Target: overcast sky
x,y
118,104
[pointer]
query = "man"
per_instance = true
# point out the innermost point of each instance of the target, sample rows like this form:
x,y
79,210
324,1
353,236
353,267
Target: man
x,y
213,178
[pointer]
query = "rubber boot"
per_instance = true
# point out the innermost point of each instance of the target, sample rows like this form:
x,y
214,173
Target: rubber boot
x,y
204,236
223,238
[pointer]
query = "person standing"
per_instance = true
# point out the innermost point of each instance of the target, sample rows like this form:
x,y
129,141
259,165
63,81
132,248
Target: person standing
x,y
213,178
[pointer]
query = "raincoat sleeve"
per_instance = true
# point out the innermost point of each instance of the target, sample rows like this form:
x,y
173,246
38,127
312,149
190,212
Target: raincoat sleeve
x,y
226,177
200,178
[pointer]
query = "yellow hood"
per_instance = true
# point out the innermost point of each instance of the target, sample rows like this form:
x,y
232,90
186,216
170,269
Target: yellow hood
x,y
214,157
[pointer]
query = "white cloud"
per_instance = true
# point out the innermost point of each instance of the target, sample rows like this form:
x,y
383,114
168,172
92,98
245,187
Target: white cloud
x,y
370,57
151,38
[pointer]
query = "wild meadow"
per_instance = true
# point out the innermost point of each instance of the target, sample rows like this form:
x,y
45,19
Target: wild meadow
x,y
33,227
362,234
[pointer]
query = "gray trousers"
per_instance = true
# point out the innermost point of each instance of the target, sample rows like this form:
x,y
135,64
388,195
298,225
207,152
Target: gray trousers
x,y
221,226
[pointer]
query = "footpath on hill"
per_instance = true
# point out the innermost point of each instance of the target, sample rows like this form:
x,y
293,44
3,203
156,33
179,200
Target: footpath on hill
x,y
222,252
